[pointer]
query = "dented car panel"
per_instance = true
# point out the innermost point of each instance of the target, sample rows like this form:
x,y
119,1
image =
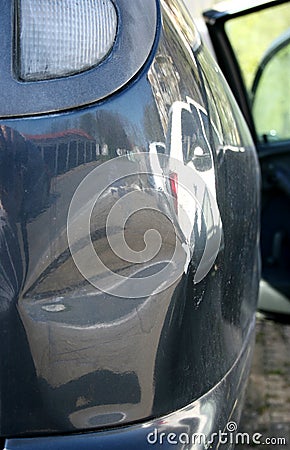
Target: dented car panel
x,y
109,342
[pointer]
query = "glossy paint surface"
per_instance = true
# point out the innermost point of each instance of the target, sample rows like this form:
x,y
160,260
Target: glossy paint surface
x,y
195,425
74,357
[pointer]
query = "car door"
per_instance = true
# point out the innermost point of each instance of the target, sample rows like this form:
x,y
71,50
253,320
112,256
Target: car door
x,y
252,46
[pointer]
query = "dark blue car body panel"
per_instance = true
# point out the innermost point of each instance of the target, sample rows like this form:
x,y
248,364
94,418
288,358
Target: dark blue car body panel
x,y
75,359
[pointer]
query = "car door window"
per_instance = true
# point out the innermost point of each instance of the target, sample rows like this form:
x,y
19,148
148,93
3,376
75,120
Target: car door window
x,y
261,42
270,92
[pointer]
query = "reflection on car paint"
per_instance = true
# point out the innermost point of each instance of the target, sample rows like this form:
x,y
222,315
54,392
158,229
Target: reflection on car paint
x,y
93,360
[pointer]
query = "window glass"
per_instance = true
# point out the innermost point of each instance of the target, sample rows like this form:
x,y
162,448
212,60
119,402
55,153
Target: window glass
x,y
260,41
271,106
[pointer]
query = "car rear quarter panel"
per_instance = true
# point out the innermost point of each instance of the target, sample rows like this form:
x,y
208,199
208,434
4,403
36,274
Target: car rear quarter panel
x,y
76,358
